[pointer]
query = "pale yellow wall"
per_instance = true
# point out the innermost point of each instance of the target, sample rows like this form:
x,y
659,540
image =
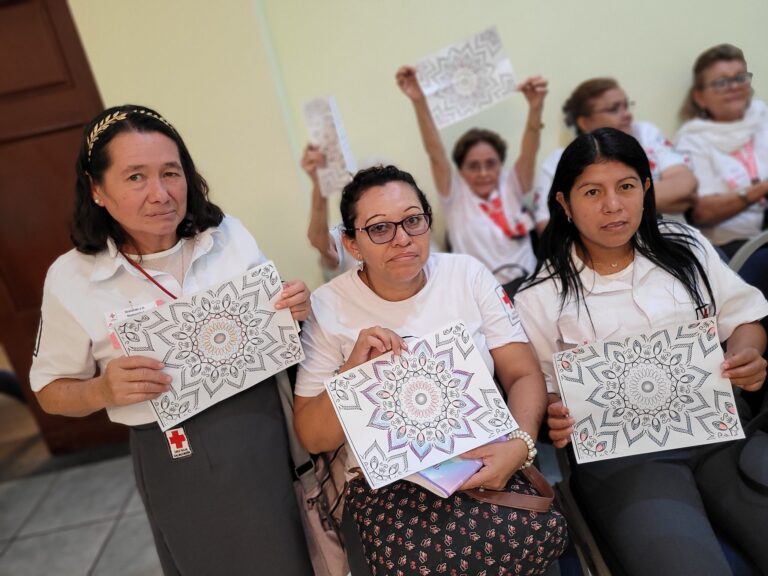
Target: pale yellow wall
x,y
352,48
204,66
233,76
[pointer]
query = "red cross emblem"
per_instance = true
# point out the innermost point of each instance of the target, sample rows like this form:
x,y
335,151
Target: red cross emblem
x,y
178,443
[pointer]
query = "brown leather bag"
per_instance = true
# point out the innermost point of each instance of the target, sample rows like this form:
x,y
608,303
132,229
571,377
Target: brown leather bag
x,y
541,503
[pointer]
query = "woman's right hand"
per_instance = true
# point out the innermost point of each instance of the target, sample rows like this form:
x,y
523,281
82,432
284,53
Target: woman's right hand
x,y
408,83
372,343
311,160
132,379
560,424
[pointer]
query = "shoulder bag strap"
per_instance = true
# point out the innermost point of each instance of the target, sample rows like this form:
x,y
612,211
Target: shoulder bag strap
x,y
541,503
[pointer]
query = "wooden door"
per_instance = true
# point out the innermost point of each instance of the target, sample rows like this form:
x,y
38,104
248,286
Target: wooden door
x,y
47,95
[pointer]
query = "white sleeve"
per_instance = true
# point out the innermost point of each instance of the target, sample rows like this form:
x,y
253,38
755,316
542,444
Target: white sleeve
x,y
63,348
322,357
737,302
240,239
666,155
541,331
701,166
501,324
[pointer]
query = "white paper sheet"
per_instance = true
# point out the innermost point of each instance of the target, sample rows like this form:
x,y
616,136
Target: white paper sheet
x,y
402,415
215,343
326,130
463,79
647,393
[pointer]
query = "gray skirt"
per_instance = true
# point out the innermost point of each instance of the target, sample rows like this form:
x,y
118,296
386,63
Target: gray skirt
x,y
229,508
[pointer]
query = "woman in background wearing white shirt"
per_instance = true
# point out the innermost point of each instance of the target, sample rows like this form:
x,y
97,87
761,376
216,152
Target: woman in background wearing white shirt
x,y
488,212
609,271
602,103
145,232
726,138
404,291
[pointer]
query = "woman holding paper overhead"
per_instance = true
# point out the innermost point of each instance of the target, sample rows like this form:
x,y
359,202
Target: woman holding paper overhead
x,y
217,491
487,213
609,270
403,291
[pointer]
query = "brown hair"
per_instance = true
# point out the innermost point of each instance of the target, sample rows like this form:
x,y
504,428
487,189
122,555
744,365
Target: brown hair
x,y
705,60
579,104
475,136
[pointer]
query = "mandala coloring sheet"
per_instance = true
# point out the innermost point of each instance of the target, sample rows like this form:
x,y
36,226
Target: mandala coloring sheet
x,y
215,343
404,414
648,393
326,131
467,77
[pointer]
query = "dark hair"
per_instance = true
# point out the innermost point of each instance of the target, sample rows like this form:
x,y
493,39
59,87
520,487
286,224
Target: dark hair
x,y
579,103
721,52
92,225
671,251
475,136
368,178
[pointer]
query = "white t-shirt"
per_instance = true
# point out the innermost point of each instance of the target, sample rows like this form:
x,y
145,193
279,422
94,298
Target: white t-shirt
x,y
718,153
633,301
85,294
661,156
472,231
458,288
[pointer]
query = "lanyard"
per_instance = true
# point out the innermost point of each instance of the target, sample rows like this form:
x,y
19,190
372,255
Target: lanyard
x,y
146,274
495,212
746,156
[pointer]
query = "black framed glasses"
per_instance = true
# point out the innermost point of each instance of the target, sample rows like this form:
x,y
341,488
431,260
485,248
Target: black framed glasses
x,y
383,232
739,80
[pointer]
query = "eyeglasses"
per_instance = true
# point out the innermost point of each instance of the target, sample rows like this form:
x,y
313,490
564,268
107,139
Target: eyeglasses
x,y
616,108
477,166
722,84
383,232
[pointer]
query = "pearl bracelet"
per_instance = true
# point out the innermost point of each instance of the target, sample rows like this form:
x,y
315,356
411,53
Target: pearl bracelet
x,y
525,437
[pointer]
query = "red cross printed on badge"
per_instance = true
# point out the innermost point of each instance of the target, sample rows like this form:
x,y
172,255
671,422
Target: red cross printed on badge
x,y
177,439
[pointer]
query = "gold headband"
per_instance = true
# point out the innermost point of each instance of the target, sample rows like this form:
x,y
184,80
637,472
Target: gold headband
x,y
114,118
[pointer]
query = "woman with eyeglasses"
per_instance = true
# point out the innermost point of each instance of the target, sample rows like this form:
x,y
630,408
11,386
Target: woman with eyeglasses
x,y
726,137
402,291
488,212
602,103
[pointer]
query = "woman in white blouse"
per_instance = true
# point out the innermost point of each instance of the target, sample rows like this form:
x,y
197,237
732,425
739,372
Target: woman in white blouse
x,y
726,137
608,270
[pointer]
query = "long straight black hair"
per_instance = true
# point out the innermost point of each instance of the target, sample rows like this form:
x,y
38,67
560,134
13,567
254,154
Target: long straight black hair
x,y
671,250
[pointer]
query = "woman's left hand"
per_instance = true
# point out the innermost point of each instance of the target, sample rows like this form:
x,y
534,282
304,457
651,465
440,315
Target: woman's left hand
x,y
535,90
745,368
295,295
500,461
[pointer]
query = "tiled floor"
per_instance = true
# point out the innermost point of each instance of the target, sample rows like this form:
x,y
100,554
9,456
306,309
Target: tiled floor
x,y
86,520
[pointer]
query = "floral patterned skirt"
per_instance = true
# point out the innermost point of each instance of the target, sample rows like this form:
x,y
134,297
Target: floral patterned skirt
x,y
407,530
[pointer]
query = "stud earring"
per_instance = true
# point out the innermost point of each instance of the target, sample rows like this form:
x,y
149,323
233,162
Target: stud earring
x,y
97,201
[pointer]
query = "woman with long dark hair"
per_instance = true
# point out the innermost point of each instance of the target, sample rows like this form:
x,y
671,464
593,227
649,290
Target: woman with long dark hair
x,y
609,269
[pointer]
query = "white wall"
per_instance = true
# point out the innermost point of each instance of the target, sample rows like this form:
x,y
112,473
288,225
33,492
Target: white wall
x,y
233,75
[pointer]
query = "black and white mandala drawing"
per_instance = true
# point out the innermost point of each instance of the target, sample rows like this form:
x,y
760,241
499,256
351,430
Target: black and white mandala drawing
x,y
215,343
403,414
467,77
327,131
647,393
